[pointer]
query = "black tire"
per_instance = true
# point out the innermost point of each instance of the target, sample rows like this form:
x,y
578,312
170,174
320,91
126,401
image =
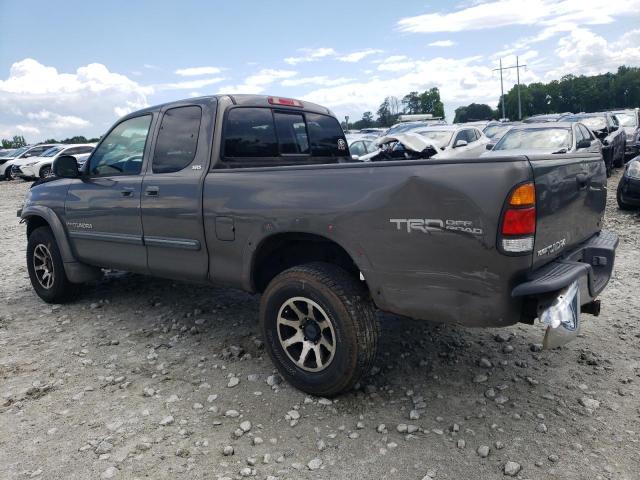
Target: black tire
x,y
45,171
7,174
60,289
350,312
621,204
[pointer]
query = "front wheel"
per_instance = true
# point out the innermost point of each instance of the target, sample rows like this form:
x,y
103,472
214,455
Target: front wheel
x,y
46,269
45,172
319,327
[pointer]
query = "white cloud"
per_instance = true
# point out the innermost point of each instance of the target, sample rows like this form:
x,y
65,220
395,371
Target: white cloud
x,y
39,101
461,81
584,53
258,82
354,57
196,71
310,55
395,63
189,84
317,80
501,13
442,43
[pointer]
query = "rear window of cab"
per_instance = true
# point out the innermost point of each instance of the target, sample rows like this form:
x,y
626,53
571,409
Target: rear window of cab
x,y
259,137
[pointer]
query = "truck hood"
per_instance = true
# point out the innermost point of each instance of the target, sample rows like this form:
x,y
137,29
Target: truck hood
x,y
515,153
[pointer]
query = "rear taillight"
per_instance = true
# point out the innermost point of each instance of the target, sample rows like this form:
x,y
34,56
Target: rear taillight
x,y
518,226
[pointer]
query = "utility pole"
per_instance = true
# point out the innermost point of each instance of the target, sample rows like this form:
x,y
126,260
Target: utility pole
x,y
517,66
518,76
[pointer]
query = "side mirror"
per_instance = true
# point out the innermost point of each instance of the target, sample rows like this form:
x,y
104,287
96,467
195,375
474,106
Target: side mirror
x,y
461,143
490,146
583,144
355,157
65,166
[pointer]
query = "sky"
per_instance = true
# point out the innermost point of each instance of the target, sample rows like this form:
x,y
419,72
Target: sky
x,y
73,67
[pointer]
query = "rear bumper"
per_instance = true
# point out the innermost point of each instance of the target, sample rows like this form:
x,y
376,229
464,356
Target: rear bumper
x,y
591,264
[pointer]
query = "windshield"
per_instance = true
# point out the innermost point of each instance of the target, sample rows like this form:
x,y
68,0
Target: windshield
x,y
593,123
440,137
496,130
627,119
51,152
535,139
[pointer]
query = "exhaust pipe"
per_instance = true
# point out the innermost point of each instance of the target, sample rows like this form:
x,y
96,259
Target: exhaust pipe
x,y
592,308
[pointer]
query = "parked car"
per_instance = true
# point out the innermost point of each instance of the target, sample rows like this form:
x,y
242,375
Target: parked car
x,y
270,201
629,121
8,156
628,194
6,151
40,167
372,131
406,126
360,146
495,130
546,138
605,126
28,152
547,117
454,140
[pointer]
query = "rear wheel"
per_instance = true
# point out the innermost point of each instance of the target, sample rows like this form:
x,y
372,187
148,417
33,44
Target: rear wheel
x,y
46,269
319,327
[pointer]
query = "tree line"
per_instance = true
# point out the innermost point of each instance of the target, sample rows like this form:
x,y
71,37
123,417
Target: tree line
x,y
18,141
392,107
571,93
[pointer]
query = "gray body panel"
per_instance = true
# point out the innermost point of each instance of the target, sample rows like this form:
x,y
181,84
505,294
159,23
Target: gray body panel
x,y
208,223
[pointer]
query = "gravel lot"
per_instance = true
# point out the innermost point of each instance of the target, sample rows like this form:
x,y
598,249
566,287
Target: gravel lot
x,y
149,378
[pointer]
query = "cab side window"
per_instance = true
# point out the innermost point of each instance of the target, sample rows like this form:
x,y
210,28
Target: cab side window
x,y
122,150
177,139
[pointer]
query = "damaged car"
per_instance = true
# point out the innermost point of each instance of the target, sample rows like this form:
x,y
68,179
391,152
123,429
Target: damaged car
x,y
628,193
605,127
629,121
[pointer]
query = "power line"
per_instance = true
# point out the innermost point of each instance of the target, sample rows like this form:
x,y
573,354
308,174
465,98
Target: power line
x,y
517,66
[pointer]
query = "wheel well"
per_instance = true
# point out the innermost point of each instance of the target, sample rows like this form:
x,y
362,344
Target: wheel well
x,y
283,251
34,222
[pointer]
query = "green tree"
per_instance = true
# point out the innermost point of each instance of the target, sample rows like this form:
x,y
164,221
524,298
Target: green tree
x,y
474,112
411,102
16,142
430,102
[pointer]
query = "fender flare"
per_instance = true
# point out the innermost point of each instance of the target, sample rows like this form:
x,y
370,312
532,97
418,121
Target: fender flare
x,y
76,271
59,232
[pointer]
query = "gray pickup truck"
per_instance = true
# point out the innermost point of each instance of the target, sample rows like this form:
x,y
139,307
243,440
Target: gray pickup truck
x,y
260,193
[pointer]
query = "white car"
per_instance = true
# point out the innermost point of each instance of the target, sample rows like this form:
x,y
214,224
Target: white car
x,y
455,140
40,167
6,168
359,146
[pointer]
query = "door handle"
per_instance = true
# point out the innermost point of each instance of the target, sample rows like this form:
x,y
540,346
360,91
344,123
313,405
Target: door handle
x,y
152,191
126,192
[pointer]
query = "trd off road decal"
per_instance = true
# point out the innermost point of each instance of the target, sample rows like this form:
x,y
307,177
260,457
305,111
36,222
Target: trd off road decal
x,y
428,225
80,225
342,145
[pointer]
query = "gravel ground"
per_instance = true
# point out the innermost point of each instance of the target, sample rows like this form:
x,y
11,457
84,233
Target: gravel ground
x,y
149,378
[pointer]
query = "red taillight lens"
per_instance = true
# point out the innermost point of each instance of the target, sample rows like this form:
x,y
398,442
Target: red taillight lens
x,y
288,102
519,221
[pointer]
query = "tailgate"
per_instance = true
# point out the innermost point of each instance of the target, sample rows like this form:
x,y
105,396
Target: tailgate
x,y
571,192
